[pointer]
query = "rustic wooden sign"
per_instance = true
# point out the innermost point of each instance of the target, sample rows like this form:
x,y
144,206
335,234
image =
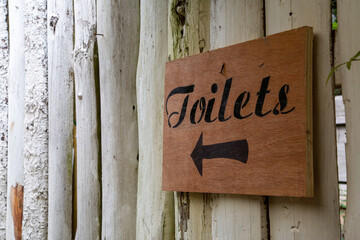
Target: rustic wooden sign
x,y
239,119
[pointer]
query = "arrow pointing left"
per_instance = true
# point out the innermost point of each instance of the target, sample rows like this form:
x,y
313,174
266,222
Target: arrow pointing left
x,y
237,150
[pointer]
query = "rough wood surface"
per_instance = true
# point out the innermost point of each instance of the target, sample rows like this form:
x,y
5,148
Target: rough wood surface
x,y
61,117
339,109
349,45
87,125
16,93
202,150
188,33
237,217
35,217
155,208
118,38
4,68
317,218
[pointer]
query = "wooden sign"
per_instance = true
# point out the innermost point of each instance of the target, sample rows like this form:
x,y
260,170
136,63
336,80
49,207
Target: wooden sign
x,y
239,119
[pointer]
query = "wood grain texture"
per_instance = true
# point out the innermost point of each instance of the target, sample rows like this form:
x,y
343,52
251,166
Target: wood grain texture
x,y
4,102
155,208
16,200
273,142
16,106
118,24
188,33
316,218
88,211
61,117
349,45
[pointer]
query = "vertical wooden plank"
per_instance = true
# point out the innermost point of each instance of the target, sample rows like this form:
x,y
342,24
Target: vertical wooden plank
x,y
118,37
155,208
88,149
237,217
318,217
188,33
15,176
35,217
4,65
349,45
61,116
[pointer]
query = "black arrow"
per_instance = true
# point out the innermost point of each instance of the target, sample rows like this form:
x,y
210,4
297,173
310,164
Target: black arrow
x,y
238,150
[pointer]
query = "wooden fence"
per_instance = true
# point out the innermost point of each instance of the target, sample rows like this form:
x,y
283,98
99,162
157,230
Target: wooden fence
x,y
99,66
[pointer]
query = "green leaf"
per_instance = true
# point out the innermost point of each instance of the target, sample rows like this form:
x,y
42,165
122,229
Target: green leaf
x,y
348,65
330,74
334,26
356,55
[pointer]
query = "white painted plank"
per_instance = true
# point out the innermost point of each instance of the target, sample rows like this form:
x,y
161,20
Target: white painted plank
x,y
35,216
87,125
155,208
212,216
118,24
61,116
15,176
186,36
235,216
339,109
318,217
341,154
349,45
4,66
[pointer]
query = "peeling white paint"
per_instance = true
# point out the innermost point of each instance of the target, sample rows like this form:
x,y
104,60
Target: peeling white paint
x,y
36,121
4,62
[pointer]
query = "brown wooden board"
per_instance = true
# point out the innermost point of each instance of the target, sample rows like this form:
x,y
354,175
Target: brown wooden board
x,y
239,119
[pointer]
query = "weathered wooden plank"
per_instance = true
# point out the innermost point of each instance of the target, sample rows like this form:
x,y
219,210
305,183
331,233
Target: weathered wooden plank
x,y
88,210
317,218
155,208
194,217
118,37
61,116
237,217
349,42
4,71
35,217
339,110
188,33
15,176
341,155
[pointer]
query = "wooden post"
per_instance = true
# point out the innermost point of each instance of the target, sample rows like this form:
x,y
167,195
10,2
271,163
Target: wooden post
x,y
15,176
193,28
349,45
188,33
35,217
155,208
4,65
237,217
61,116
318,217
87,122
118,37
